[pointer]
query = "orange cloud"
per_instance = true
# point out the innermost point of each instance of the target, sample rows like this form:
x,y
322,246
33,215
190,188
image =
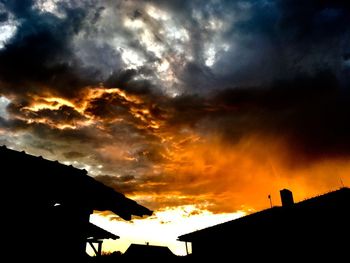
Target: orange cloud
x,y
179,152
227,178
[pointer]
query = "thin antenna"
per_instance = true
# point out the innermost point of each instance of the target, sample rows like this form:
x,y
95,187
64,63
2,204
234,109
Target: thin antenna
x,y
269,197
341,182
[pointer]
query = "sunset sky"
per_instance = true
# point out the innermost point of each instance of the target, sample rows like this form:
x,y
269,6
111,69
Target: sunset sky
x,y
197,110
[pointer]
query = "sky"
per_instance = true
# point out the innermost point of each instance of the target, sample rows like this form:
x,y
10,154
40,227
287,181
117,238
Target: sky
x,y
197,110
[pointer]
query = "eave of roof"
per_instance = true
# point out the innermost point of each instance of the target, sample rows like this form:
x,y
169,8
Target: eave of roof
x,y
67,183
94,232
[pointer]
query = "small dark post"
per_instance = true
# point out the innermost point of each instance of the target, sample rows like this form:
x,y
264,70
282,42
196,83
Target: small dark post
x,y
99,252
269,196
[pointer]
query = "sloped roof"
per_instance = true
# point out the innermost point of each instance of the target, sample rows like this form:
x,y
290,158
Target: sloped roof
x,y
95,232
338,200
35,177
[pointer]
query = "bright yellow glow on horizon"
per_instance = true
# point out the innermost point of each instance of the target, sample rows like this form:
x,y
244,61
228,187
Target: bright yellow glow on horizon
x,y
162,228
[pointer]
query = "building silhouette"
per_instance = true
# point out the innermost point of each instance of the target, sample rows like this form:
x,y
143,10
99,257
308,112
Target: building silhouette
x,y
315,229
143,253
46,207
148,252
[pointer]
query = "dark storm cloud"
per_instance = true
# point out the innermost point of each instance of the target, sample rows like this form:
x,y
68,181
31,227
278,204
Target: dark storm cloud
x,y
3,17
38,55
277,39
309,112
232,69
252,42
286,72
265,40
61,52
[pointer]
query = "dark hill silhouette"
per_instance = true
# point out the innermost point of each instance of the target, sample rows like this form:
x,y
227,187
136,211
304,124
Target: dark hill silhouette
x,y
46,208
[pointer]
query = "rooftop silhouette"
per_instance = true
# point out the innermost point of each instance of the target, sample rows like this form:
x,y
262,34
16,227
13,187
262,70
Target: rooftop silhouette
x,y
314,228
148,252
48,204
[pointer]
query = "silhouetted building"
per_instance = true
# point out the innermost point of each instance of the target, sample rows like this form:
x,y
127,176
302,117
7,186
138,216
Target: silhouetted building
x,y
314,229
286,197
47,206
148,252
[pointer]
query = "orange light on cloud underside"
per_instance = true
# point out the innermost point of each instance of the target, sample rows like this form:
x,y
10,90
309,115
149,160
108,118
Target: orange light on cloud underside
x,y
50,103
54,103
192,163
133,103
166,164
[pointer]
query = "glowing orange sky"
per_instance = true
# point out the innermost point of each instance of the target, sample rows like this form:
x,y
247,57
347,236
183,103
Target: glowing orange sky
x,y
200,106
181,166
187,162
201,168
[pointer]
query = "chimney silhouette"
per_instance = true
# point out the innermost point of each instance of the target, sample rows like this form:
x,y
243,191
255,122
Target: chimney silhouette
x,y
286,197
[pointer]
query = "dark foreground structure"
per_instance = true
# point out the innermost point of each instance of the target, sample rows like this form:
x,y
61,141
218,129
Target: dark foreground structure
x,y
46,207
148,252
316,229
144,253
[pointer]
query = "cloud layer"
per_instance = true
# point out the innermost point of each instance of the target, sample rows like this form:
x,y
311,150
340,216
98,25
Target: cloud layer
x,y
181,102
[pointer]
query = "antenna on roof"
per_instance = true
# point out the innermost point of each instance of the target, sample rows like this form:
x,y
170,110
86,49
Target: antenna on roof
x,y
341,182
269,197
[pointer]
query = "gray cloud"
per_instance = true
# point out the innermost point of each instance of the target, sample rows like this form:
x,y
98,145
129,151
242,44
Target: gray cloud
x,y
177,47
230,69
